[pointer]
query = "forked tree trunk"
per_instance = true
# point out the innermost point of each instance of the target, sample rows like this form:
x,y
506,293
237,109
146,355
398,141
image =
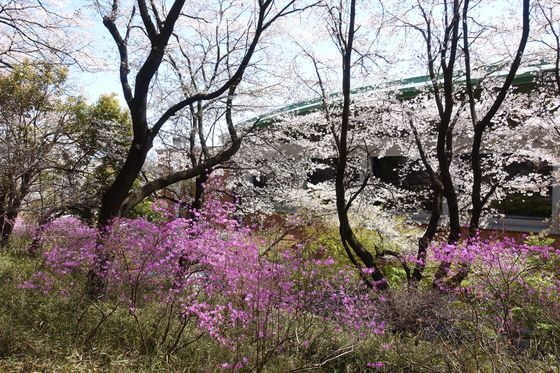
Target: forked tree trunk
x,y
347,236
116,194
478,199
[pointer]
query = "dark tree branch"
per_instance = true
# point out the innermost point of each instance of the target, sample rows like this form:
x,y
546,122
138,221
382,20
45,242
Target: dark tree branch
x,y
348,238
478,201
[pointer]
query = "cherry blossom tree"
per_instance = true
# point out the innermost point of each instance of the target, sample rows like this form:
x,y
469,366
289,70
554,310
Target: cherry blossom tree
x,y
449,47
548,34
42,31
165,28
145,34
486,159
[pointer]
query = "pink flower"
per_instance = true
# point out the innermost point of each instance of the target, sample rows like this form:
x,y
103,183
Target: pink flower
x,y
377,365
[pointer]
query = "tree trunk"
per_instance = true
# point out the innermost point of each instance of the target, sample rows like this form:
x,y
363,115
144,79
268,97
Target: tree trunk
x,y
12,200
428,237
114,197
478,201
199,190
7,227
347,235
476,197
111,205
449,192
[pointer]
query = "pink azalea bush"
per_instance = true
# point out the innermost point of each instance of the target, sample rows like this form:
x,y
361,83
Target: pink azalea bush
x,y
212,275
512,281
210,270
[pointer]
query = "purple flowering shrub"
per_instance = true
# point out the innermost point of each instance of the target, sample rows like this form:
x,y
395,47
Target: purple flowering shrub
x,y
209,273
518,284
210,276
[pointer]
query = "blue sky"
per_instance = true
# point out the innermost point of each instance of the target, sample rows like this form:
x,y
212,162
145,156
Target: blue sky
x,y
103,80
